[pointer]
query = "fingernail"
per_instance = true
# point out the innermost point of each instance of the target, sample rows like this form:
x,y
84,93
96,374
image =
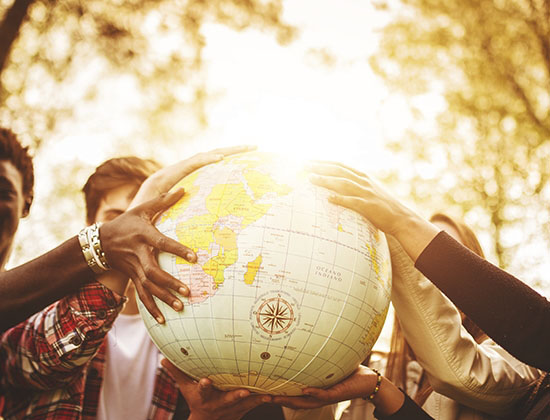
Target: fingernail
x,y
191,257
160,319
183,291
177,305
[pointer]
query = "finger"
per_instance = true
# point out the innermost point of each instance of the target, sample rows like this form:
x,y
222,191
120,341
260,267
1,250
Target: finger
x,y
165,280
144,282
149,303
153,272
163,243
234,396
342,186
252,401
227,151
338,164
206,389
353,203
198,161
322,395
163,294
164,201
339,171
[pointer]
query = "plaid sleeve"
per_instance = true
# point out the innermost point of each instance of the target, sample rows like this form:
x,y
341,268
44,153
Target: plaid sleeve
x,y
51,348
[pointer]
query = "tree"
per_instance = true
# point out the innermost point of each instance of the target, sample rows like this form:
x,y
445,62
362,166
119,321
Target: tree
x,y
59,58
490,61
46,44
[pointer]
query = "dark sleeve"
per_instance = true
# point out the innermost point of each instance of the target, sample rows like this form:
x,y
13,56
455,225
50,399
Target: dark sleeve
x,y
509,311
408,411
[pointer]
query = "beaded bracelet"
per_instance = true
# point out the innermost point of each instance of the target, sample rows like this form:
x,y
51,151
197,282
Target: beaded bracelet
x,y
91,249
377,387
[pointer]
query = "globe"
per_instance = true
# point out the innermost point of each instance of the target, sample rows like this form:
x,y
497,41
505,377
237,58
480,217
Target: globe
x,y
288,291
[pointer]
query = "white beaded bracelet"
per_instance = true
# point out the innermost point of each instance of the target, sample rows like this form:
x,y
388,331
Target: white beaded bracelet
x,y
91,249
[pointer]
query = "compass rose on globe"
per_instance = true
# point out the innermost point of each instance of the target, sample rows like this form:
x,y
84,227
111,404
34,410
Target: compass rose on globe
x,y
275,316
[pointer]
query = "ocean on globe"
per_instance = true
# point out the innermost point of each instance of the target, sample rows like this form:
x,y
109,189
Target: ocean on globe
x,y
289,290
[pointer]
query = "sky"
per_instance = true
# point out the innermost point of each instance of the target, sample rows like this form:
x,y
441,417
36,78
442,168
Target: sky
x,y
315,98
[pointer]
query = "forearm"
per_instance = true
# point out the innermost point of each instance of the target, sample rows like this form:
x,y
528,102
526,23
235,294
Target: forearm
x,y
408,410
30,287
484,376
509,311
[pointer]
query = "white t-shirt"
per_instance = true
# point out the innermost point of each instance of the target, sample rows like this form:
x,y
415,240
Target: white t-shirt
x,y
130,371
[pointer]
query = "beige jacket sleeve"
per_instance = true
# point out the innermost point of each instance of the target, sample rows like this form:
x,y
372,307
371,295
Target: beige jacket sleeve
x,y
482,376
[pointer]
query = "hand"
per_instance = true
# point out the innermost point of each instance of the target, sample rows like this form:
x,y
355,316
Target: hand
x,y
207,403
136,238
360,383
128,241
165,178
358,192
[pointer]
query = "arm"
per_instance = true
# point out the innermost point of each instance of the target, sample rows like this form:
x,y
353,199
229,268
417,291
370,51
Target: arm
x,y
390,402
52,347
128,242
481,376
508,310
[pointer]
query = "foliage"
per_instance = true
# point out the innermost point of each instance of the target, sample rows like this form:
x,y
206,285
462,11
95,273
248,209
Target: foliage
x,y
62,61
490,61
158,44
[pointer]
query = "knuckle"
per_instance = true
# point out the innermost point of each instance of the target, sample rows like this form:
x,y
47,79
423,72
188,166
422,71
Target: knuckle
x,y
160,242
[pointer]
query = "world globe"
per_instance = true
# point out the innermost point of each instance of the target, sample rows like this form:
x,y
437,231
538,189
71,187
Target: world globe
x,y
288,291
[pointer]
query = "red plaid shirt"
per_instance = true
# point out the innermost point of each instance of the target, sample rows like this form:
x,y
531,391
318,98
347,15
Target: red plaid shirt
x,y
52,364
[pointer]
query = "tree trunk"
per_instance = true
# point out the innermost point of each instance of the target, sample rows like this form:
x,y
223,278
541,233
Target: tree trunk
x,y
9,28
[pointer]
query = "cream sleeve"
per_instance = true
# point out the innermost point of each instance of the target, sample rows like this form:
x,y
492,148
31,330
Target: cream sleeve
x,y
482,376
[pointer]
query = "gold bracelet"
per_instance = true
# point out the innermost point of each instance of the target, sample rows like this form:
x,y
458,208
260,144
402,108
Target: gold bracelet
x,y
377,387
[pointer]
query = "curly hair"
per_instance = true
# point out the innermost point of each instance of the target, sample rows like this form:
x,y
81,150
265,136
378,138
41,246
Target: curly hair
x,y
112,174
12,151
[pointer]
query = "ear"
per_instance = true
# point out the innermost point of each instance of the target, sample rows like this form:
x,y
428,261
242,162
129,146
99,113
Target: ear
x,y
27,207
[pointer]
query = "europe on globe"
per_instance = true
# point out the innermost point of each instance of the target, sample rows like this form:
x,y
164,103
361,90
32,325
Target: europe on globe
x,y
288,291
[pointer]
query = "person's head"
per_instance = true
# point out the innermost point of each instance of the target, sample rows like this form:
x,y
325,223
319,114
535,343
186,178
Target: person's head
x,y
113,185
16,189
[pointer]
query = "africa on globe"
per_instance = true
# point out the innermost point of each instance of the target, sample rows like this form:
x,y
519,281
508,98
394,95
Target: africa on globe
x,y
288,291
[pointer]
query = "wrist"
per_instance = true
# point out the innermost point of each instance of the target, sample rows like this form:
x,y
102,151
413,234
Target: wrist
x,y
414,233
388,399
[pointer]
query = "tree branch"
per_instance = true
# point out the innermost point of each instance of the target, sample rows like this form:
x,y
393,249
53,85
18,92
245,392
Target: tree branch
x,y
9,28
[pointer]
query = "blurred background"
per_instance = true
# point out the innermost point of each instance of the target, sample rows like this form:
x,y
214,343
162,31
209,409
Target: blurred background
x,y
445,102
